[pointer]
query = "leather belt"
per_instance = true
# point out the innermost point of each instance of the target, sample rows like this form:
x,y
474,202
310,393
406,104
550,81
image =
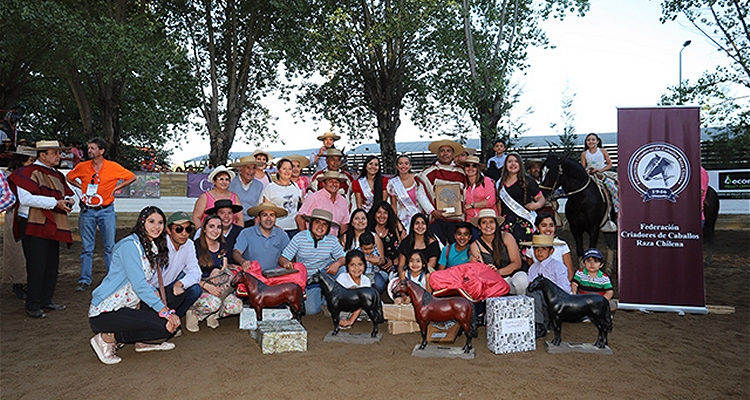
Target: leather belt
x,y
84,207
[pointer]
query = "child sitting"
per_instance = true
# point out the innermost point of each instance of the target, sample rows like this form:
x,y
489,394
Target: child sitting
x,y
417,273
377,277
353,279
591,279
456,253
552,269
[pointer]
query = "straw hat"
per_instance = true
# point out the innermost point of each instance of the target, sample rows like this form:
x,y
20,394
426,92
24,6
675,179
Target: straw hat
x,y
534,161
332,175
49,145
329,135
470,151
333,152
542,241
219,170
25,151
268,155
321,214
436,145
266,205
487,213
223,203
303,161
247,160
472,160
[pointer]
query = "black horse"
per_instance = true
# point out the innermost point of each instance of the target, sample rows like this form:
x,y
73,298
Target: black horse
x,y
586,206
711,211
342,299
573,308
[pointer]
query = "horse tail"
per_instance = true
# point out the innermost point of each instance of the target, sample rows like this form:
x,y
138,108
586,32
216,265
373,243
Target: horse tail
x,y
378,317
474,321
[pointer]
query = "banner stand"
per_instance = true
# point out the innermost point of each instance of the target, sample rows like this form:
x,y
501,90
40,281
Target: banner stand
x,y
662,308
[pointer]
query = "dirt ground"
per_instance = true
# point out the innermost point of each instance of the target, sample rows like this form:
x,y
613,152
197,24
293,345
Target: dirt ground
x,y
658,355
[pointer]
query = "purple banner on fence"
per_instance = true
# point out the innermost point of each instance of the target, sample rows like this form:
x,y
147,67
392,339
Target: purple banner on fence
x,y
197,184
659,224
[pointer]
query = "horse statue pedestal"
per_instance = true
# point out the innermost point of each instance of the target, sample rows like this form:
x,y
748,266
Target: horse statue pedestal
x,y
352,337
437,351
573,347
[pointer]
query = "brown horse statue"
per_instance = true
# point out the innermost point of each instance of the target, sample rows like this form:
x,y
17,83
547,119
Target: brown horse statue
x,y
262,295
436,309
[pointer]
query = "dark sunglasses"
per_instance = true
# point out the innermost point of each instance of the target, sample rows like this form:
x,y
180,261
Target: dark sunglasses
x,y
180,228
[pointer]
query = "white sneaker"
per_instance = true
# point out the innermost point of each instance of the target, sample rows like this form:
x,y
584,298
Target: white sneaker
x,y
105,351
191,321
144,347
212,321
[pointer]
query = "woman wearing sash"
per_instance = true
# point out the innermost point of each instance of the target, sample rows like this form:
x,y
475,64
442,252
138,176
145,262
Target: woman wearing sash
x,y
369,189
498,250
518,197
408,196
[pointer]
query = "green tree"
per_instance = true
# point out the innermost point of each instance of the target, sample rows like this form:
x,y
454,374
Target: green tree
x,y
567,135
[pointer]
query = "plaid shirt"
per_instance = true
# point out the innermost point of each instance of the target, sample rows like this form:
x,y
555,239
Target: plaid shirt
x,y
7,198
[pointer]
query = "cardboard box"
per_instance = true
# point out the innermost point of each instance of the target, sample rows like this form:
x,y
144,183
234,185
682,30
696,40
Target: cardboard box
x,y
510,324
443,332
398,312
401,327
280,336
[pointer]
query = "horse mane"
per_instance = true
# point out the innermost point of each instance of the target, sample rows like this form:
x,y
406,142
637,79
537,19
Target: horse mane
x,y
573,167
261,286
426,296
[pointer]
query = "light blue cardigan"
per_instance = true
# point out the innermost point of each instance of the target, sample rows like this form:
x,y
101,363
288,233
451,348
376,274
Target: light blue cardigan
x,y
127,266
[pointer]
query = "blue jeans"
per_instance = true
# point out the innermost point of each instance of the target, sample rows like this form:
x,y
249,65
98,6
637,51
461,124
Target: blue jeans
x,y
314,299
88,220
379,281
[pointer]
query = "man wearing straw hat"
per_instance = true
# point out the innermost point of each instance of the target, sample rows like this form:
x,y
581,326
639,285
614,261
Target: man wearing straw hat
x,y
245,186
543,247
317,250
261,174
98,179
443,173
44,203
333,163
327,199
316,158
534,168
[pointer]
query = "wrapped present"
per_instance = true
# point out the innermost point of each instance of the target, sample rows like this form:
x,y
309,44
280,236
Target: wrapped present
x,y
510,324
443,332
280,336
249,319
398,312
400,327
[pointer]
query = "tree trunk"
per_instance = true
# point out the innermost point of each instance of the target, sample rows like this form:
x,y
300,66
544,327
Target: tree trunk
x,y
82,102
489,115
388,123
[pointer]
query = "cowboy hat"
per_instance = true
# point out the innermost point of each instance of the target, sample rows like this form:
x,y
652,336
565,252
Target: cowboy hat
x,y
258,152
333,152
320,214
332,175
470,151
472,160
218,170
487,213
303,161
267,205
534,161
542,241
329,135
247,160
436,145
223,203
48,145
25,151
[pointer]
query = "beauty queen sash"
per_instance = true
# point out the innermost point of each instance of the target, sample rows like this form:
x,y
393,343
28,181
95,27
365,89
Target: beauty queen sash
x,y
367,192
403,196
518,209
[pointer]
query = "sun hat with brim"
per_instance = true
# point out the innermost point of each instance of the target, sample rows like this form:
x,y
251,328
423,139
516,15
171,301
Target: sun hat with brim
x,y
265,153
329,135
25,151
6,140
436,145
595,253
333,152
179,218
320,214
246,160
223,203
470,151
332,175
267,205
303,161
534,161
542,241
487,213
472,160
48,145
219,170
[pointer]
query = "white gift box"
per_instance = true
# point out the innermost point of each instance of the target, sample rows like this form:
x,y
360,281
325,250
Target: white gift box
x,y
249,319
510,324
280,336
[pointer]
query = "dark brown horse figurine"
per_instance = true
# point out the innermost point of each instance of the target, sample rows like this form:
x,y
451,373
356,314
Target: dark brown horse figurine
x,y
436,309
262,295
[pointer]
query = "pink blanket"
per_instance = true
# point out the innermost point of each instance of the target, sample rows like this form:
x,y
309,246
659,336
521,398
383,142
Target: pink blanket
x,y
474,281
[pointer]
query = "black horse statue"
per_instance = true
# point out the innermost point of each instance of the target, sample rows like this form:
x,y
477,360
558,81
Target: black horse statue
x,y
341,299
586,207
563,307
439,309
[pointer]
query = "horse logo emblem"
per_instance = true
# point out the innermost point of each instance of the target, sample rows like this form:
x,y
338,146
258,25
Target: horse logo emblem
x,y
659,171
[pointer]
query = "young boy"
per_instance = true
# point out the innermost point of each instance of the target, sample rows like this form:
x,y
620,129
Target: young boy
x,y
456,253
591,280
378,277
499,158
552,269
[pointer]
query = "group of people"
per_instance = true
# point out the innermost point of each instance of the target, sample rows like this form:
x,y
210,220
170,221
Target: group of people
x,y
366,231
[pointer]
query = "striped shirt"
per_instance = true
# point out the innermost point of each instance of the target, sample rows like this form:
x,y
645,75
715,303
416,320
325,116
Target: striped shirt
x,y
7,198
313,255
588,285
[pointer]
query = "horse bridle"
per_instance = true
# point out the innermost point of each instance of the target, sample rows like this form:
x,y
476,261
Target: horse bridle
x,y
564,194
